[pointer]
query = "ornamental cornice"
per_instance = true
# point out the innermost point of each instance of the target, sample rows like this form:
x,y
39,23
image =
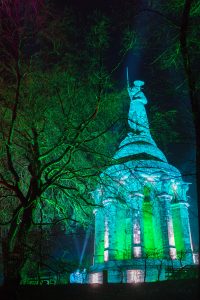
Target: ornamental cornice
x,y
180,202
165,196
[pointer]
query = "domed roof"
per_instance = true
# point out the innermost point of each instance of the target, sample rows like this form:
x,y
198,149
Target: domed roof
x,y
139,144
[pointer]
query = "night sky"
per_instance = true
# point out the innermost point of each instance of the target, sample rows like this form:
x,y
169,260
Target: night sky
x,y
159,83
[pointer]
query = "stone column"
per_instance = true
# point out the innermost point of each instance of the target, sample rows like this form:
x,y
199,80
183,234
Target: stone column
x,y
182,231
181,223
137,225
128,233
121,234
167,225
99,236
110,228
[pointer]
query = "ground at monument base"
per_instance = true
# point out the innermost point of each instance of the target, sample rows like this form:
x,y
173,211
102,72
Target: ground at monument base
x,y
167,290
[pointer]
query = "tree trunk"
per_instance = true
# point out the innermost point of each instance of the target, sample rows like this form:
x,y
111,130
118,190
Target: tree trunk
x,y
14,249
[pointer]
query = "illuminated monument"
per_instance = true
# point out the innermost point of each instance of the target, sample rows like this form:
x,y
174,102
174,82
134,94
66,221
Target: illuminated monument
x,y
141,223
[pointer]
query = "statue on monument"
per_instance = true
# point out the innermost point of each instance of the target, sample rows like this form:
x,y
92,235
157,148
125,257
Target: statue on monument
x,y
137,114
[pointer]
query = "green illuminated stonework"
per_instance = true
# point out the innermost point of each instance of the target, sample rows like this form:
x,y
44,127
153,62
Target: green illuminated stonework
x,y
142,222
149,234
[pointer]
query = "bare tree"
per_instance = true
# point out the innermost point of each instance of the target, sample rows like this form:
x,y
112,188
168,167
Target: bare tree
x,y
54,124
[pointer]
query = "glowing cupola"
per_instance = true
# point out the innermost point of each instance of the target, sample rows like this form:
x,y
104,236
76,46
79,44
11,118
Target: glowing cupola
x,y
141,219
